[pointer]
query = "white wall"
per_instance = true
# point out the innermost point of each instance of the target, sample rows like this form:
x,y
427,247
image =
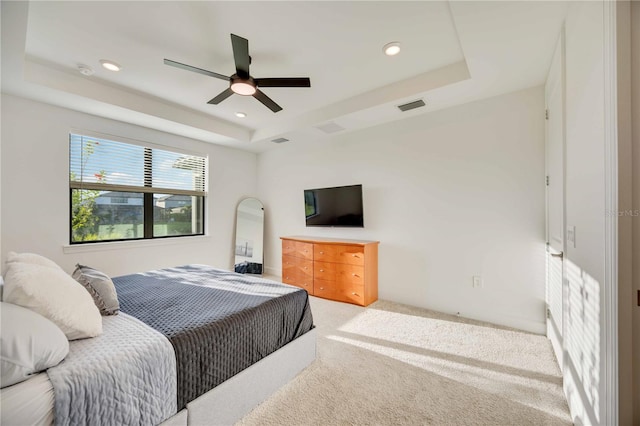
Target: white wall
x,y
585,209
35,192
449,195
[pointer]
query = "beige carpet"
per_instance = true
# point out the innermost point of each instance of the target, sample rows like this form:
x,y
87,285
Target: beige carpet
x,y
391,364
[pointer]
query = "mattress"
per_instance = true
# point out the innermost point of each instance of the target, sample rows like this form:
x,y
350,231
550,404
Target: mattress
x,y
218,322
28,403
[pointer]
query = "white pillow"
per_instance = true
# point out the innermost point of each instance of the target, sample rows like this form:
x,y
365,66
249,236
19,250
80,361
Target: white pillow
x,y
32,258
54,295
29,343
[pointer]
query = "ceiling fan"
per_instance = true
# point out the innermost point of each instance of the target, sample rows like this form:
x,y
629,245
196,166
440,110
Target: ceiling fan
x,y
242,83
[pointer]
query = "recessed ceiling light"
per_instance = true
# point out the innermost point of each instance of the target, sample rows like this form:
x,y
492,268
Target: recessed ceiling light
x,y
391,49
110,65
240,114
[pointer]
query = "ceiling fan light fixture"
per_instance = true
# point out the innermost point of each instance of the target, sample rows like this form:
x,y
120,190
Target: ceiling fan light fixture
x,y
391,49
243,88
110,65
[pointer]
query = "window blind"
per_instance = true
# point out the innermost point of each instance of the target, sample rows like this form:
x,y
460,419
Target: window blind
x,y
106,165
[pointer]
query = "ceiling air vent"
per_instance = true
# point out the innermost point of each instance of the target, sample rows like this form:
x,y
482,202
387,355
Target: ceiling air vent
x,y
411,105
330,127
280,140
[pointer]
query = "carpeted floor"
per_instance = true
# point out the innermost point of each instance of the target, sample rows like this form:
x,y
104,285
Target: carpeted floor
x,y
390,364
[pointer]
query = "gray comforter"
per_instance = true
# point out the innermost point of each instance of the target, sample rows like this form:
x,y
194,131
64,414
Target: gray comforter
x,y
125,376
218,322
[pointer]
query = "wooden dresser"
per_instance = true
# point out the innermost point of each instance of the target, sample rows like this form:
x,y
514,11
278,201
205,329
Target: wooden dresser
x,y
343,270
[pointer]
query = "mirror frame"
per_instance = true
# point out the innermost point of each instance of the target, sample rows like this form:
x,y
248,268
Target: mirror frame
x,y
235,238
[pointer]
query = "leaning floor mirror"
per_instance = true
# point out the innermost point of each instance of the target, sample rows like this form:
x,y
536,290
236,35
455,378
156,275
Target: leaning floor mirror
x,y
249,237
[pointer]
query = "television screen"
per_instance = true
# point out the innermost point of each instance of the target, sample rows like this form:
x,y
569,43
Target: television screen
x,y
339,206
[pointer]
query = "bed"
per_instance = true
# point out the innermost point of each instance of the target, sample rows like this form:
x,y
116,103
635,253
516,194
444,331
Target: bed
x,y
191,345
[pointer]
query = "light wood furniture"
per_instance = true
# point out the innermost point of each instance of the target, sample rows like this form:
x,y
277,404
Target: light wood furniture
x,y
343,270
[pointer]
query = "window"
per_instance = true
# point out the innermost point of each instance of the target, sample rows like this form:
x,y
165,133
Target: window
x,y
125,191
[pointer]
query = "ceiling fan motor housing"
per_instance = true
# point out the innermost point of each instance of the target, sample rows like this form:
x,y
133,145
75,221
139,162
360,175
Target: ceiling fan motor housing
x,y
243,86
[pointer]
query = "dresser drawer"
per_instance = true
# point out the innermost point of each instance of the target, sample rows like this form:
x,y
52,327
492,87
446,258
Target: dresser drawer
x,y
325,252
352,255
299,281
288,248
324,270
326,289
307,284
297,249
288,270
350,274
304,250
296,265
305,269
350,294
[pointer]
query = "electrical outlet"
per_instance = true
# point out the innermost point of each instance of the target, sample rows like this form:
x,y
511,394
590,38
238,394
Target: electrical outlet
x,y
477,281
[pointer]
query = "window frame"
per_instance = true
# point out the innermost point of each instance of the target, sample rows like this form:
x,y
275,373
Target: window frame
x,y
147,196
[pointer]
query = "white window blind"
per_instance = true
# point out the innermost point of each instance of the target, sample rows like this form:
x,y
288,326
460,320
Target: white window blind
x,y
106,165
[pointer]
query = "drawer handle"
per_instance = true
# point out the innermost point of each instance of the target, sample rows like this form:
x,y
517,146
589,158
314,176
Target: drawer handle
x,y
355,275
355,255
321,252
354,293
305,267
321,270
321,288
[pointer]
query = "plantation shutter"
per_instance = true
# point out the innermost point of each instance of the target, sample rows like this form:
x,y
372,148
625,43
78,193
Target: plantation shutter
x,y
106,165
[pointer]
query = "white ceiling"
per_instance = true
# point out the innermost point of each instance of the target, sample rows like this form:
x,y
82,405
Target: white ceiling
x,y
452,53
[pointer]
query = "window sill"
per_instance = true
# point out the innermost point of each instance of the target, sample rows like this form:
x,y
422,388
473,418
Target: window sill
x,y
119,245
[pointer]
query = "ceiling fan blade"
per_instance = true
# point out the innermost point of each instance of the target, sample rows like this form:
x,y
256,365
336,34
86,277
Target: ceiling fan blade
x,y
194,69
284,82
221,97
241,55
267,101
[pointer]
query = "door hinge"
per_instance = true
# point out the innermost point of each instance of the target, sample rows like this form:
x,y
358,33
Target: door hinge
x,y
547,180
546,114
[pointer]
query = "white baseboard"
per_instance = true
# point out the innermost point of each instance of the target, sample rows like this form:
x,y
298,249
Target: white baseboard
x,y
269,270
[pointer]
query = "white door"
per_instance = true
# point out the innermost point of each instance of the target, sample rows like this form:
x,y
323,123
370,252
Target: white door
x,y
554,94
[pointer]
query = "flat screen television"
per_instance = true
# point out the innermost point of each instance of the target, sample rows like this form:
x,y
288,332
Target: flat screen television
x,y
339,206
